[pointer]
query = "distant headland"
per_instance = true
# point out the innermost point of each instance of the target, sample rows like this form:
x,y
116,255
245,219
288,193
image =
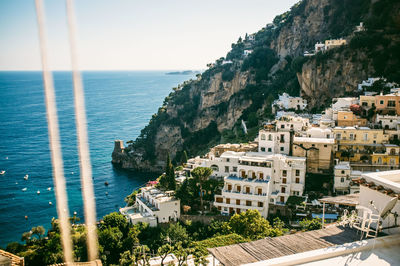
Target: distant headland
x,y
184,72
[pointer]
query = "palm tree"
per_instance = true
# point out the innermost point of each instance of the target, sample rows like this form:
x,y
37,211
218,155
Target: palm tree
x,y
201,174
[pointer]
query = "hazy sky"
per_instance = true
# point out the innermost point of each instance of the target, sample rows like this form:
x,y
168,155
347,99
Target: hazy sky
x,y
132,34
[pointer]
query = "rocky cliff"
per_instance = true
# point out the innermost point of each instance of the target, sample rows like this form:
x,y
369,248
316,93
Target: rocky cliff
x,y
242,86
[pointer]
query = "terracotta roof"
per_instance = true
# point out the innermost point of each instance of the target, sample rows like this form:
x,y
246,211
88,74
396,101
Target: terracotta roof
x,y
380,188
349,200
7,258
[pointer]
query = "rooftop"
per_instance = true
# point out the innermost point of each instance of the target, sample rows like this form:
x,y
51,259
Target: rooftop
x,y
270,248
348,200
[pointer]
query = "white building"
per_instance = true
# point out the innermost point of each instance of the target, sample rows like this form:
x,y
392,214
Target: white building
x,y
163,206
329,44
318,132
286,101
295,123
272,141
360,27
388,121
367,83
134,216
343,176
343,103
247,52
319,47
255,180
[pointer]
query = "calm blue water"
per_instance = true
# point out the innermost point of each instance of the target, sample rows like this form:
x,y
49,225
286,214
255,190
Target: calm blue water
x,y
118,105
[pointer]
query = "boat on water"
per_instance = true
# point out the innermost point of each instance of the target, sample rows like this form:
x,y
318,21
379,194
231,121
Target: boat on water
x,y
2,172
49,188
26,177
50,203
24,189
38,192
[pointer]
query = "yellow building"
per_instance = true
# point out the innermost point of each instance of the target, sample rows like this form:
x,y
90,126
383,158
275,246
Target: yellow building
x,y
387,157
359,135
356,144
334,43
348,118
367,101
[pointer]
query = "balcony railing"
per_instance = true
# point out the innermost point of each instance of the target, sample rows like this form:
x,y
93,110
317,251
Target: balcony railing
x,y
148,204
245,193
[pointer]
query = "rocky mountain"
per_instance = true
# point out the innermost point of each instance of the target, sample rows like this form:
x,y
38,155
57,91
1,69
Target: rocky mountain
x,y
241,86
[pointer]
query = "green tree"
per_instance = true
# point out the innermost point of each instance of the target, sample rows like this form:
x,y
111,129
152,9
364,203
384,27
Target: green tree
x,y
115,219
110,239
38,231
181,253
250,224
126,259
163,252
142,255
131,199
184,157
176,233
201,175
309,225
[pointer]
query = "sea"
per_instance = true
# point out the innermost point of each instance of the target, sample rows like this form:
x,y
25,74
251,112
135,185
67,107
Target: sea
x,y
118,105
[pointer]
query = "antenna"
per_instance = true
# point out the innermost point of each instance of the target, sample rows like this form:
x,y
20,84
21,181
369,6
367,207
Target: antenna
x,y
389,206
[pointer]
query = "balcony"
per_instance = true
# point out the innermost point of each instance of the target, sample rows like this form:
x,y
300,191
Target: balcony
x,y
250,180
148,204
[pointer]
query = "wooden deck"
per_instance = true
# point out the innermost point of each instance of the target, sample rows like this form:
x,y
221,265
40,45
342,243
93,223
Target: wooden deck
x,y
270,248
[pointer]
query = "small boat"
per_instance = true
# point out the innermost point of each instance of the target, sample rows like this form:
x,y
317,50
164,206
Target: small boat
x,y
50,203
106,193
49,188
26,217
106,183
6,158
2,172
26,177
72,173
24,189
38,192
16,183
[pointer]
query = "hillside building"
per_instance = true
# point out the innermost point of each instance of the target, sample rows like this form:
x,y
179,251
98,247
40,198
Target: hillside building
x,y
288,102
256,180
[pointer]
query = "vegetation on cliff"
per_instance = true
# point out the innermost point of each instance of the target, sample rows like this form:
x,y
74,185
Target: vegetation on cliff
x,y
207,111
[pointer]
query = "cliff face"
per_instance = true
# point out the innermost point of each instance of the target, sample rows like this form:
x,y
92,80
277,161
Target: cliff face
x,y
209,110
335,77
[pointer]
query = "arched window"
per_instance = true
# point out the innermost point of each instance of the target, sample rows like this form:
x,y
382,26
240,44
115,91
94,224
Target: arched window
x,y
215,168
262,137
269,137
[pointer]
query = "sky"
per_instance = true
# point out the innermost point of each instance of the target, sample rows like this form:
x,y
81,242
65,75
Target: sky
x,y
132,34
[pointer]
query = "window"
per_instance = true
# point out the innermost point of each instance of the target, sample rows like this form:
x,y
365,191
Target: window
x,y
282,138
284,180
248,202
238,202
391,104
234,169
328,136
312,145
226,169
284,173
269,150
271,200
342,179
325,146
381,102
238,188
282,126
375,136
247,190
261,175
365,136
282,148
364,104
351,136
283,189
342,172
228,201
269,137
218,200
229,187
297,172
263,149
262,137
338,136
227,159
260,204
297,180
219,208
259,191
